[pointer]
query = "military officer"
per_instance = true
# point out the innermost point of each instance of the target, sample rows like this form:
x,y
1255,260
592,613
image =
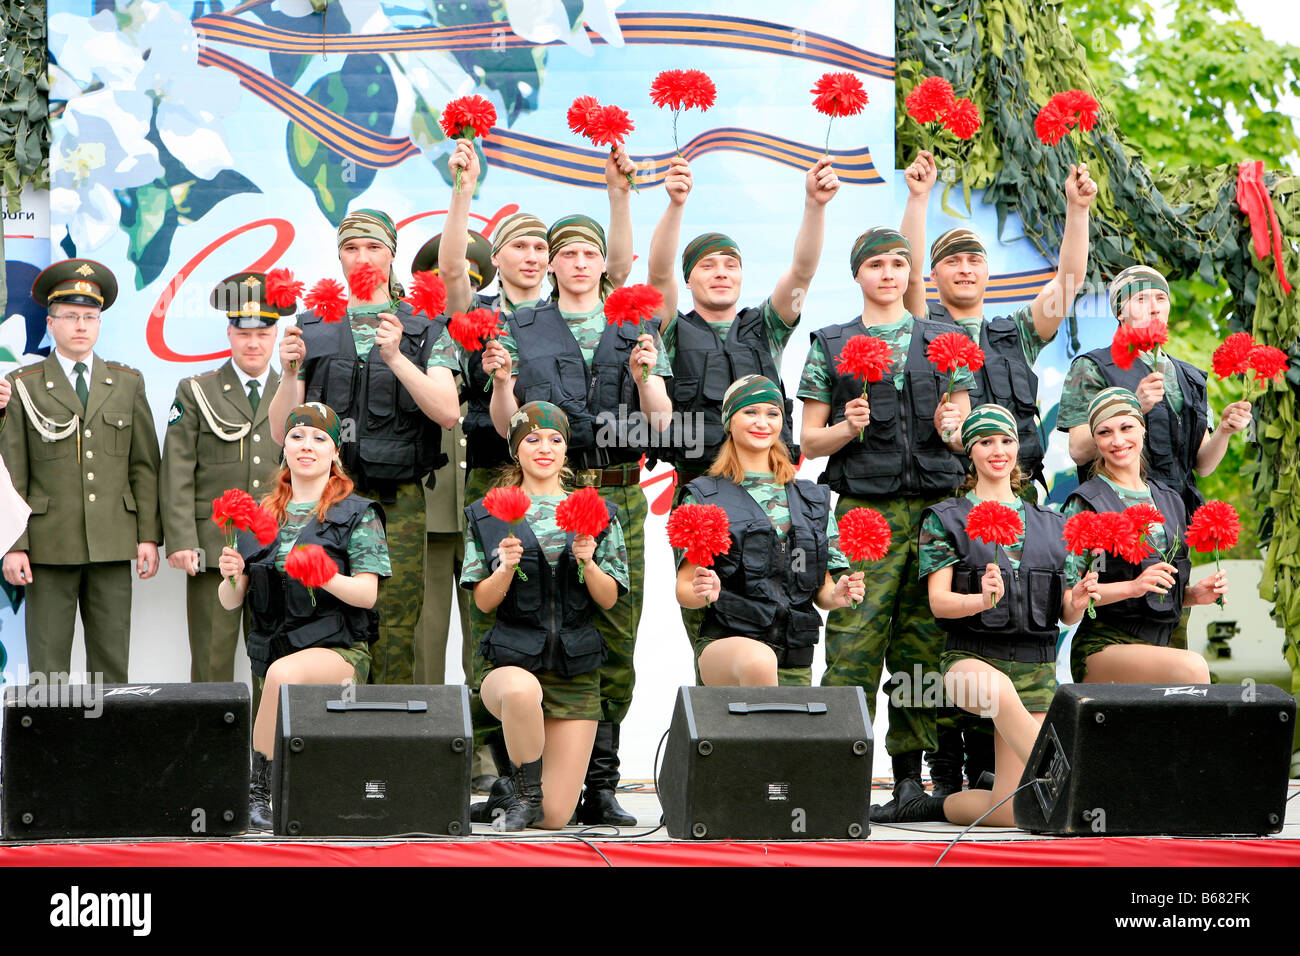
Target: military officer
x,y
218,437
84,454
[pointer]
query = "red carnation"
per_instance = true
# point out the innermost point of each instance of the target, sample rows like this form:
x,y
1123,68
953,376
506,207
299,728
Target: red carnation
x,y
1062,113
364,280
1085,533
509,504
327,300
609,126
1050,125
1233,356
953,350
235,511
1124,537
310,566
1215,526
702,531
487,324
1268,362
1081,107
839,94
582,513
580,113
1131,341
994,523
866,358
1143,517
633,303
282,290
264,527
682,90
464,330
428,294
467,116
864,534
962,119
930,99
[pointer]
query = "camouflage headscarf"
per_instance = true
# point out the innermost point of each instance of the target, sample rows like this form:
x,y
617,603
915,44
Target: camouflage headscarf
x,y
317,416
878,241
512,227
535,416
1130,282
1111,402
578,228
985,420
749,390
373,224
709,244
953,243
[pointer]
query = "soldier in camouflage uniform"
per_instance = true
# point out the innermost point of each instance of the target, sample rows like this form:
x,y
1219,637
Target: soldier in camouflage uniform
x,y
1181,444
219,437
82,451
400,400
543,652
886,452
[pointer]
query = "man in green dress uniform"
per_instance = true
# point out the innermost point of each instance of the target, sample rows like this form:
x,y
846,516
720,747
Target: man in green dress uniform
x,y
82,450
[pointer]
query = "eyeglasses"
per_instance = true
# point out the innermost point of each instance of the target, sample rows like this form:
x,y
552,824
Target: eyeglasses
x,y
73,317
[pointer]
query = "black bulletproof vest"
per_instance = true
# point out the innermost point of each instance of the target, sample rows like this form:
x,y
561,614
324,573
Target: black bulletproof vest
x,y
544,622
284,618
392,441
1023,626
1173,439
902,454
703,367
768,585
603,404
1008,380
484,446
1151,617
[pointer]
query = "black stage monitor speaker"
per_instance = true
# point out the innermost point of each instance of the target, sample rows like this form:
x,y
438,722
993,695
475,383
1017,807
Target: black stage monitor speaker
x,y
768,763
372,760
1132,759
125,760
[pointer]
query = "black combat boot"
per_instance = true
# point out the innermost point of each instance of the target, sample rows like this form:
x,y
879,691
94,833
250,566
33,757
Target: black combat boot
x,y
259,794
945,764
525,806
500,796
913,805
906,767
599,805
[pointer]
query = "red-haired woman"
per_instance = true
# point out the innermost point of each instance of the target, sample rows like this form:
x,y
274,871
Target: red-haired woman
x,y
298,637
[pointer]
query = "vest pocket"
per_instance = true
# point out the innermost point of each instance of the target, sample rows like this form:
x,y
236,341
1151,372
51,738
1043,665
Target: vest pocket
x,y
118,432
513,645
717,376
1045,594
526,596
328,630
993,618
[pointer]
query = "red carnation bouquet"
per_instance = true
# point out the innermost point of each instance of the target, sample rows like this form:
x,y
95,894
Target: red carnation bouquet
x,y
634,303
603,125
1215,526
702,531
933,101
473,330
582,513
682,90
428,294
951,351
235,511
1085,535
1062,113
867,359
282,289
864,536
310,566
509,504
838,94
1133,340
994,523
466,117
1268,363
1233,356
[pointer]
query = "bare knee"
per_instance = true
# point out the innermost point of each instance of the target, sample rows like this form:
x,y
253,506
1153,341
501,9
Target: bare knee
x,y
757,671
1191,668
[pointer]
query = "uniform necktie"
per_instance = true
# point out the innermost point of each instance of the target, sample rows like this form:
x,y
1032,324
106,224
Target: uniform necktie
x,y
83,391
253,397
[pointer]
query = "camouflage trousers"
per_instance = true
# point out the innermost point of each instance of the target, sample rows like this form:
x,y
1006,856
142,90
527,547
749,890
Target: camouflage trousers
x,y
402,595
619,624
892,628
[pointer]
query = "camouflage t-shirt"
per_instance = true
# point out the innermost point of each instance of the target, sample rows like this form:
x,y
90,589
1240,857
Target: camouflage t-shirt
x,y
1031,343
361,320
367,549
778,333
587,328
1084,380
774,499
1074,563
937,550
611,551
818,379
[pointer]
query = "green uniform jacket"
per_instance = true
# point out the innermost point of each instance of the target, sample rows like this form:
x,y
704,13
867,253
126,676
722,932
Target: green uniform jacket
x,y
203,458
94,492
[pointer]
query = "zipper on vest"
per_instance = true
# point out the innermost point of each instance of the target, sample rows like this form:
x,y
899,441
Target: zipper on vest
x,y
1017,609
905,431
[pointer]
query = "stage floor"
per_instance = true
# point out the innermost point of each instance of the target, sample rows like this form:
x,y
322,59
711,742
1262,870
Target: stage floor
x,y
647,844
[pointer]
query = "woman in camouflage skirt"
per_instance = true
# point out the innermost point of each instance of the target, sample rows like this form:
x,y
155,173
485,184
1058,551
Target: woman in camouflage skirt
x,y
1000,605
759,598
290,642
543,652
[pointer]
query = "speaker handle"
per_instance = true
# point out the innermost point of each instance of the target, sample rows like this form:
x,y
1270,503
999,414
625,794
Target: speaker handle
x,y
409,706
811,707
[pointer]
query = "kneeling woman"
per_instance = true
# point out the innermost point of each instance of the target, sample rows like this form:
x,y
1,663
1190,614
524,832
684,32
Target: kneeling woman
x,y
543,652
1000,607
760,615
299,637
1139,604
